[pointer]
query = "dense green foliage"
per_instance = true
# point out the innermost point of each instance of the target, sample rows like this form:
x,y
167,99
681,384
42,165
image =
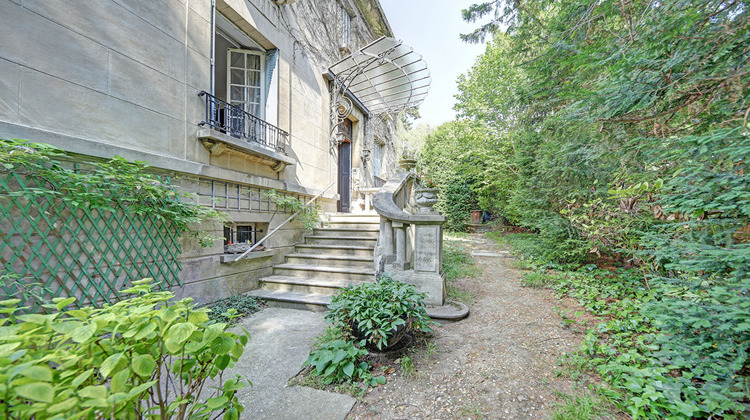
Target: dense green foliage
x,y
143,357
376,310
365,316
617,131
340,360
241,305
309,216
104,185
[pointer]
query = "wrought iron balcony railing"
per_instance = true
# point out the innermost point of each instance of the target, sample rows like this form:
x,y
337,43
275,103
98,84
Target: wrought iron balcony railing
x,y
234,121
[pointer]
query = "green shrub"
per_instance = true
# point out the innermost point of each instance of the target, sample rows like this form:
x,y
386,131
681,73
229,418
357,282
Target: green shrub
x,y
143,357
243,305
376,310
339,361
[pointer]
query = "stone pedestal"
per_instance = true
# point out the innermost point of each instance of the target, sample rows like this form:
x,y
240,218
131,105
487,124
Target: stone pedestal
x,y
426,275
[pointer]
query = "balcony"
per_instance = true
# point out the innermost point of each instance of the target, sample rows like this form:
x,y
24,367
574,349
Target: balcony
x,y
230,127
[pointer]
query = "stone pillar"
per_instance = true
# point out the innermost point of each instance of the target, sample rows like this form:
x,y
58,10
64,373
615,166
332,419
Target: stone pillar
x,y
385,242
401,261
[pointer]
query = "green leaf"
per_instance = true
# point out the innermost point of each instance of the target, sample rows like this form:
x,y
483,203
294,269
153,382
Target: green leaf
x,y
64,405
98,392
214,403
231,414
140,389
349,369
111,363
222,361
179,333
37,391
143,365
40,373
119,380
81,378
222,345
340,355
63,302
83,333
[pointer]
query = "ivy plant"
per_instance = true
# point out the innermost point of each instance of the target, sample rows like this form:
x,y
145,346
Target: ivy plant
x,y
309,216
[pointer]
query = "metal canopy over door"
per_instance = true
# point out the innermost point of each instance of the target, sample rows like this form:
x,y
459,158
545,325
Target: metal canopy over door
x,y
345,166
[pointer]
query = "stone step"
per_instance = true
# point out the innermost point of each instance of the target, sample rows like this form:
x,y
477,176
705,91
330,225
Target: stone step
x,y
325,272
293,300
320,286
353,225
322,249
357,218
331,260
348,240
370,232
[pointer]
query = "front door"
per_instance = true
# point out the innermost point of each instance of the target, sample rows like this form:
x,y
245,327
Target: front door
x,y
345,166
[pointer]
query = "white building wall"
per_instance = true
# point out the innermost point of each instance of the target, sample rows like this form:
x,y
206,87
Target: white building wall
x,y
121,77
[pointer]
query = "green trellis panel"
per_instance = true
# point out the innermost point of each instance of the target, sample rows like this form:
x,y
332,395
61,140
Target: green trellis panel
x,y
91,254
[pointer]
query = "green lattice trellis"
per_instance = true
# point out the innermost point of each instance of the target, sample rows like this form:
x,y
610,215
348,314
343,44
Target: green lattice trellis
x,y
90,254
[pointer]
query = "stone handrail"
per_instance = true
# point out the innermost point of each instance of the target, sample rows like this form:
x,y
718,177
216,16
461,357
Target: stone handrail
x,y
385,205
410,244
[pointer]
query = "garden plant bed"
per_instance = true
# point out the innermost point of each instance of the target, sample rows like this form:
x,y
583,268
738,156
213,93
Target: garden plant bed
x,y
500,362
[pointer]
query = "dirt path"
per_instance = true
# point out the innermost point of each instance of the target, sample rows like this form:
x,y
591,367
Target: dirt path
x,y
499,363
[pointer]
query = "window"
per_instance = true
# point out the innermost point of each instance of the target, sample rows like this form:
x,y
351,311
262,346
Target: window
x,y
248,233
245,81
346,34
377,156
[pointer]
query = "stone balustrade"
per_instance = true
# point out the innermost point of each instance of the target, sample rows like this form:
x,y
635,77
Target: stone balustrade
x,y
410,246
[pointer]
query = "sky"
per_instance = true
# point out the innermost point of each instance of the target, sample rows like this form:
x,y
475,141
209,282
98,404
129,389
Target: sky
x,y
432,27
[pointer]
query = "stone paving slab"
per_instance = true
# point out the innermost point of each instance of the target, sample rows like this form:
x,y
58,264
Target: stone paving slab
x,y
482,253
280,342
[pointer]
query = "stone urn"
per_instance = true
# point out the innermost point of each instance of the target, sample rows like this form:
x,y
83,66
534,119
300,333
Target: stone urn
x,y
426,199
407,164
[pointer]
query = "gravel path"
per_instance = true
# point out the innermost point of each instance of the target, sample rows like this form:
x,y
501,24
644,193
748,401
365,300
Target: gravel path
x,y
498,363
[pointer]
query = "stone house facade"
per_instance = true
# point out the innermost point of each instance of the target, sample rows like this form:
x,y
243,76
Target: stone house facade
x,y
229,97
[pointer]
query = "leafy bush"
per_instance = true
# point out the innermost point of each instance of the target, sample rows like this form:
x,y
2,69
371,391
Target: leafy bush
x,y
640,347
106,185
309,216
338,361
377,309
143,357
242,305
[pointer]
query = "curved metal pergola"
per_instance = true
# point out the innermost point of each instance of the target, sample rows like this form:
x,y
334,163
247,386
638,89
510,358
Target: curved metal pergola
x,y
386,76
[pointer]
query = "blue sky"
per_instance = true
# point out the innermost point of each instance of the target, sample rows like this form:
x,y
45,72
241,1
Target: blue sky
x,y
432,27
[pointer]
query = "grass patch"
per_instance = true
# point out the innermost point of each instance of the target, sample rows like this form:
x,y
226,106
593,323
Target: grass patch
x,y
588,406
451,235
535,280
244,305
457,264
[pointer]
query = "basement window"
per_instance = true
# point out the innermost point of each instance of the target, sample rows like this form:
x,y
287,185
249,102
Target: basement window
x,y
238,238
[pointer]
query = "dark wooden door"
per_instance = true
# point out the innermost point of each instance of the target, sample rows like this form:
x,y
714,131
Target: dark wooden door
x,y
345,176
345,167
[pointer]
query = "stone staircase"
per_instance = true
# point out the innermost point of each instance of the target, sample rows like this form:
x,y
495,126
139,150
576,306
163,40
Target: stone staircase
x,y
331,258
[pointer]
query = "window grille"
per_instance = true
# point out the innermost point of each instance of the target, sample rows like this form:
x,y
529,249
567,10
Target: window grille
x,y
243,234
223,195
